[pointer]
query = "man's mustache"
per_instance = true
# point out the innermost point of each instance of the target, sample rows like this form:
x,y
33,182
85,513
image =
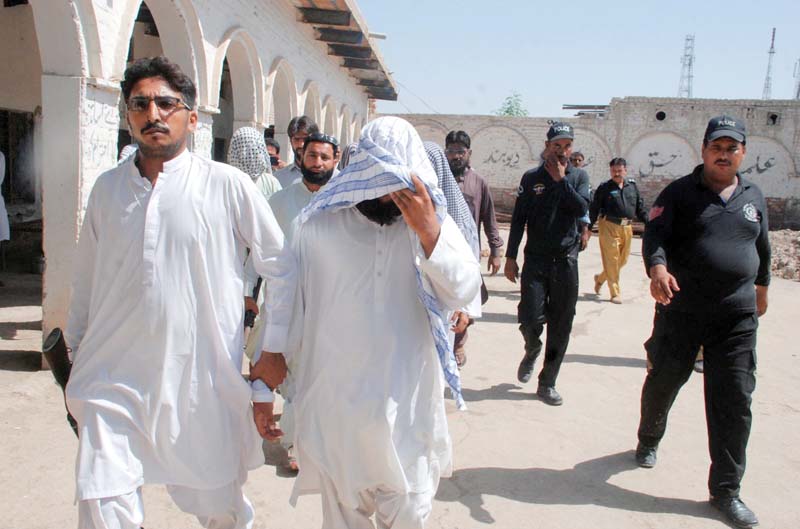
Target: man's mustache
x,y
159,127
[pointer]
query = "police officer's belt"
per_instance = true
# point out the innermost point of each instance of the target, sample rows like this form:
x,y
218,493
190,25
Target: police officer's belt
x,y
622,221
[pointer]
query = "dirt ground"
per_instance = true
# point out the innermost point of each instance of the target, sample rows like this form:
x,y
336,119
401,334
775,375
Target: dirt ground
x,y
519,463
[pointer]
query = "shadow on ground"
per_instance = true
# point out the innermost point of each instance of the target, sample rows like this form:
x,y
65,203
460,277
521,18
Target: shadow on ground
x,y
9,330
610,361
496,392
584,484
20,360
498,317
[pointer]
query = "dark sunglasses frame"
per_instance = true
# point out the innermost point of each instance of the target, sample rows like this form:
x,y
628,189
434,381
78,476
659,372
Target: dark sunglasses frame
x,y
165,104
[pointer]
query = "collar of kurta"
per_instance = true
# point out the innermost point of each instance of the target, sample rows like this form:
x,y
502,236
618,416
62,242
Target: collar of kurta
x,y
176,165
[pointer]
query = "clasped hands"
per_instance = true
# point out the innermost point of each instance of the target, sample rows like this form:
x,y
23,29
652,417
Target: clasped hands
x,y
270,369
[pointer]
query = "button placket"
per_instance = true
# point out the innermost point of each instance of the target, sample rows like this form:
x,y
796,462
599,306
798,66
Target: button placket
x,y
380,266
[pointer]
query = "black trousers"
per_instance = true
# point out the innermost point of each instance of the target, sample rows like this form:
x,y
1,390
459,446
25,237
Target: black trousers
x,y
549,291
729,363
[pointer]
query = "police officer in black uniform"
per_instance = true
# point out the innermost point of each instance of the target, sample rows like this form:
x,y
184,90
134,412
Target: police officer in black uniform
x,y
706,250
551,200
617,202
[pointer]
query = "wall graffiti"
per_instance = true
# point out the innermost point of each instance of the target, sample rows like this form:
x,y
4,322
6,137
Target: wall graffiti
x,y
661,155
503,158
100,124
657,161
769,163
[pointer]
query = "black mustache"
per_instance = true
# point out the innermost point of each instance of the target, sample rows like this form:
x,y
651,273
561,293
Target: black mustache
x,y
155,125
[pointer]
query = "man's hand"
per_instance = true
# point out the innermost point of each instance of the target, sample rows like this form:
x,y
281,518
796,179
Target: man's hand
x,y
419,213
556,167
281,164
270,368
663,285
761,300
460,322
265,421
511,270
493,265
585,236
251,305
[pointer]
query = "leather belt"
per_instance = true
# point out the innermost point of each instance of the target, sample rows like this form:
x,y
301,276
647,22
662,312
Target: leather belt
x,y
622,221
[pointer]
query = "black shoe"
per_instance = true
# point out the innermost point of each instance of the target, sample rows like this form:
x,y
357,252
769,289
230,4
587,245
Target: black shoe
x,y
525,369
735,511
646,456
549,395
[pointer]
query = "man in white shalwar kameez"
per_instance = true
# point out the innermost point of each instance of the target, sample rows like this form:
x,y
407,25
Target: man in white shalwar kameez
x,y
318,163
155,320
379,264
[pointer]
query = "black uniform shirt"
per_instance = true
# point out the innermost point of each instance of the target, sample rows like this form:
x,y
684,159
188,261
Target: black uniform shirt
x,y
716,250
612,201
550,210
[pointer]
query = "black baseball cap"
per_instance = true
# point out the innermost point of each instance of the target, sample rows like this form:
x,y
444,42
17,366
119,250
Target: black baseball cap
x,y
560,131
725,127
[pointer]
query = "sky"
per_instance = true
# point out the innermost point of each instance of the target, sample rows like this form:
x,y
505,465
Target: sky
x,y
466,57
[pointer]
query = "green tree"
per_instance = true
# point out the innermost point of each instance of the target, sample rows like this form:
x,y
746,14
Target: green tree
x,y
512,106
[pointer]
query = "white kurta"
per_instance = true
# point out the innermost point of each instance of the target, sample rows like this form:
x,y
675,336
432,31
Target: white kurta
x,y
369,405
5,231
287,204
155,323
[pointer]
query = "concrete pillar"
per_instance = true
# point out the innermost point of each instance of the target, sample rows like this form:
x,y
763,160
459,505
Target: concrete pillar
x,y
202,142
80,120
237,124
287,153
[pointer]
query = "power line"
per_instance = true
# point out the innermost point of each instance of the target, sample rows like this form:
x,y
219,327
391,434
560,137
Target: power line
x,y
415,95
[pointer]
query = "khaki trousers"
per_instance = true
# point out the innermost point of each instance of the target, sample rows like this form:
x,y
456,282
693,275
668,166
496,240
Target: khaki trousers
x,y
615,247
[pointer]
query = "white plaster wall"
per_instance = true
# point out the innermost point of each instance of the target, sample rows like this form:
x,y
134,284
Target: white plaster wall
x,y
657,150
274,28
74,73
21,71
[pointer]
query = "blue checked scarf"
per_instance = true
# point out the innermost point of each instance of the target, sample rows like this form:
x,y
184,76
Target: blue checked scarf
x,y
388,152
457,207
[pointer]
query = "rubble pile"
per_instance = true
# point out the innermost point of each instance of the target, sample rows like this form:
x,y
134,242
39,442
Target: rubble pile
x,y
785,254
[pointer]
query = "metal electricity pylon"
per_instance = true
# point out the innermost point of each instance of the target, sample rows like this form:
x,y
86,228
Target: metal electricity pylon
x,y
767,94
687,68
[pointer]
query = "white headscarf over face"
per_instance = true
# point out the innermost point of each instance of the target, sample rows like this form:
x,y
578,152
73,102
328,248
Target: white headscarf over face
x,y
248,152
389,151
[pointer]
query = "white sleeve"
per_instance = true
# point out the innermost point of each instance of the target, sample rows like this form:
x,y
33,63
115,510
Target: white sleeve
x,y
83,277
261,233
451,269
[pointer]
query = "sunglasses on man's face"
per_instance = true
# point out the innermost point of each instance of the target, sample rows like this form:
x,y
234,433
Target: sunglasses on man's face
x,y
164,104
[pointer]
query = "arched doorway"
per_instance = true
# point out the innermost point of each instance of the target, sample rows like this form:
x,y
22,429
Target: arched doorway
x,y
331,119
282,103
239,97
312,106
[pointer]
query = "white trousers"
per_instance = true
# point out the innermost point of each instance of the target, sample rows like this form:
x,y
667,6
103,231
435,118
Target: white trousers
x,y
391,510
222,508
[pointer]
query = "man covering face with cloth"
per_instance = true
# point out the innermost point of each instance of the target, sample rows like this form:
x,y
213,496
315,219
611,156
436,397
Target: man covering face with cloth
x,y
379,264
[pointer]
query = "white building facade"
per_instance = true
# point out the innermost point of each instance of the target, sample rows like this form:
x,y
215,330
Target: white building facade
x,y
255,63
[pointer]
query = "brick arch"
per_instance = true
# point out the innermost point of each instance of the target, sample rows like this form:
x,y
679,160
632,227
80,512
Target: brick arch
x,y
330,125
282,99
312,106
181,38
247,76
